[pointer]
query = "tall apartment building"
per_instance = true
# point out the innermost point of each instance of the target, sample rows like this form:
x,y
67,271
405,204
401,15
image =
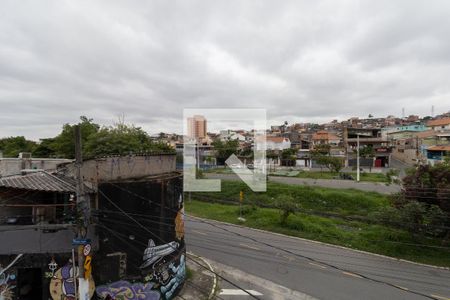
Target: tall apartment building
x,y
197,127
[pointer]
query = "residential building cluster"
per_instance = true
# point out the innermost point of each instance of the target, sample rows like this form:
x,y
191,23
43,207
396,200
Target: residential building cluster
x,y
409,140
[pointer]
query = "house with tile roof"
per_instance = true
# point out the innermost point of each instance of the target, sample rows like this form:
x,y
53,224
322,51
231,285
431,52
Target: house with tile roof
x,y
439,124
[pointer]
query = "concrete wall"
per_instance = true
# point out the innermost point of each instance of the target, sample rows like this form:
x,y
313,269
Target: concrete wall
x,y
408,156
13,166
29,240
124,167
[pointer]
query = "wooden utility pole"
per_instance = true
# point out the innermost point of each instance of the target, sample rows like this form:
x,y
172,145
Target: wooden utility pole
x,y
81,200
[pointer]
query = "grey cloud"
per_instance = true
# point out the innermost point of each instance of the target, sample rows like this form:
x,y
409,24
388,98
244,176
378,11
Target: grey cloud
x,y
302,60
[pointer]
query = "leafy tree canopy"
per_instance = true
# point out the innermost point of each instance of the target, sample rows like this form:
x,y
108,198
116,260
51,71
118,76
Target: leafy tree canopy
x,y
225,149
121,139
429,184
12,146
64,144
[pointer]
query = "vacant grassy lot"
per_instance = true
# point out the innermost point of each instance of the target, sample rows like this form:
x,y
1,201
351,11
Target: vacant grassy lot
x,y
330,229
345,202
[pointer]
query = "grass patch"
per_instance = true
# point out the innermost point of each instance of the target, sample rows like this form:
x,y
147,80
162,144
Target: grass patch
x,y
189,273
340,201
371,177
368,237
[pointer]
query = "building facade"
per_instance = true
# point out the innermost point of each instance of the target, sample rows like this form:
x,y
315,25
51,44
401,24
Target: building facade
x,y
197,127
135,231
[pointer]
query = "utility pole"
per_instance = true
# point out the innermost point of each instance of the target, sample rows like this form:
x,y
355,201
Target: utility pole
x,y
357,157
241,199
82,205
198,154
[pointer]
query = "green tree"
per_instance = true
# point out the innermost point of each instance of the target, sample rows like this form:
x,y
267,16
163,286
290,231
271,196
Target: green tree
x,y
121,139
12,146
64,143
321,154
224,150
429,186
321,149
45,148
288,157
367,152
287,206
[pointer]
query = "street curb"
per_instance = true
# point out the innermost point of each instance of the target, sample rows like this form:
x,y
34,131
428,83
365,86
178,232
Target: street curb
x,y
326,244
213,290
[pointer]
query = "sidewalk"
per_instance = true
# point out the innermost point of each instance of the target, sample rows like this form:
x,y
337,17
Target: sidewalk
x,y
200,283
203,284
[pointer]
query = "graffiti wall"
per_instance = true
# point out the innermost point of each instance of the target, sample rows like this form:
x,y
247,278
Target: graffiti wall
x,y
161,282
8,280
7,284
62,284
155,255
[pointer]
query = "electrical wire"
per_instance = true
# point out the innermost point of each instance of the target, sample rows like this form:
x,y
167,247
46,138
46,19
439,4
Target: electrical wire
x,y
313,260
156,236
112,222
418,245
139,251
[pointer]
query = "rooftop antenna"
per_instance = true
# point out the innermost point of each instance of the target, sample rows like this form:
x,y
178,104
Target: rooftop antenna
x,y
403,112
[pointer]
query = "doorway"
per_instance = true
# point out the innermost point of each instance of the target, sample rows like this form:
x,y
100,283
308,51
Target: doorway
x,y
29,283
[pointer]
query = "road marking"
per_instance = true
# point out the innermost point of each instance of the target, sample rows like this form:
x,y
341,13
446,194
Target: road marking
x,y
250,247
351,274
317,265
439,297
199,232
237,292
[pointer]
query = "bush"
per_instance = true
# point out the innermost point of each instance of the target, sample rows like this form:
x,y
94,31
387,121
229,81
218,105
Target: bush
x,y
248,209
392,176
287,206
415,217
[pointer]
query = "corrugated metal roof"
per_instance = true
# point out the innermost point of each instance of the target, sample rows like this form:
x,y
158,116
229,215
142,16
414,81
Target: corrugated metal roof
x,y
39,181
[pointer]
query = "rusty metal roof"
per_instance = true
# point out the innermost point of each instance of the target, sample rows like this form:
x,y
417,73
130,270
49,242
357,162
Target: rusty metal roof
x,y
39,181
439,148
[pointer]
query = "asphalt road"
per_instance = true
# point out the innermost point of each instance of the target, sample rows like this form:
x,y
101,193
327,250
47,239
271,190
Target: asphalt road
x,y
334,273
329,183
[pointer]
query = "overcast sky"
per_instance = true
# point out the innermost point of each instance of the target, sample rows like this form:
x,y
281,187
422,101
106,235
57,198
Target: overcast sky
x,y
301,60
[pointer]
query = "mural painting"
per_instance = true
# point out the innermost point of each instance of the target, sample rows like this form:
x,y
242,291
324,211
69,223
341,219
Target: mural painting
x,y
7,284
163,270
163,279
124,290
62,285
179,224
8,281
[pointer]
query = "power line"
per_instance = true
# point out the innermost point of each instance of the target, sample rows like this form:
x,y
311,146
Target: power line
x,y
143,227
139,251
318,261
381,241
313,260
